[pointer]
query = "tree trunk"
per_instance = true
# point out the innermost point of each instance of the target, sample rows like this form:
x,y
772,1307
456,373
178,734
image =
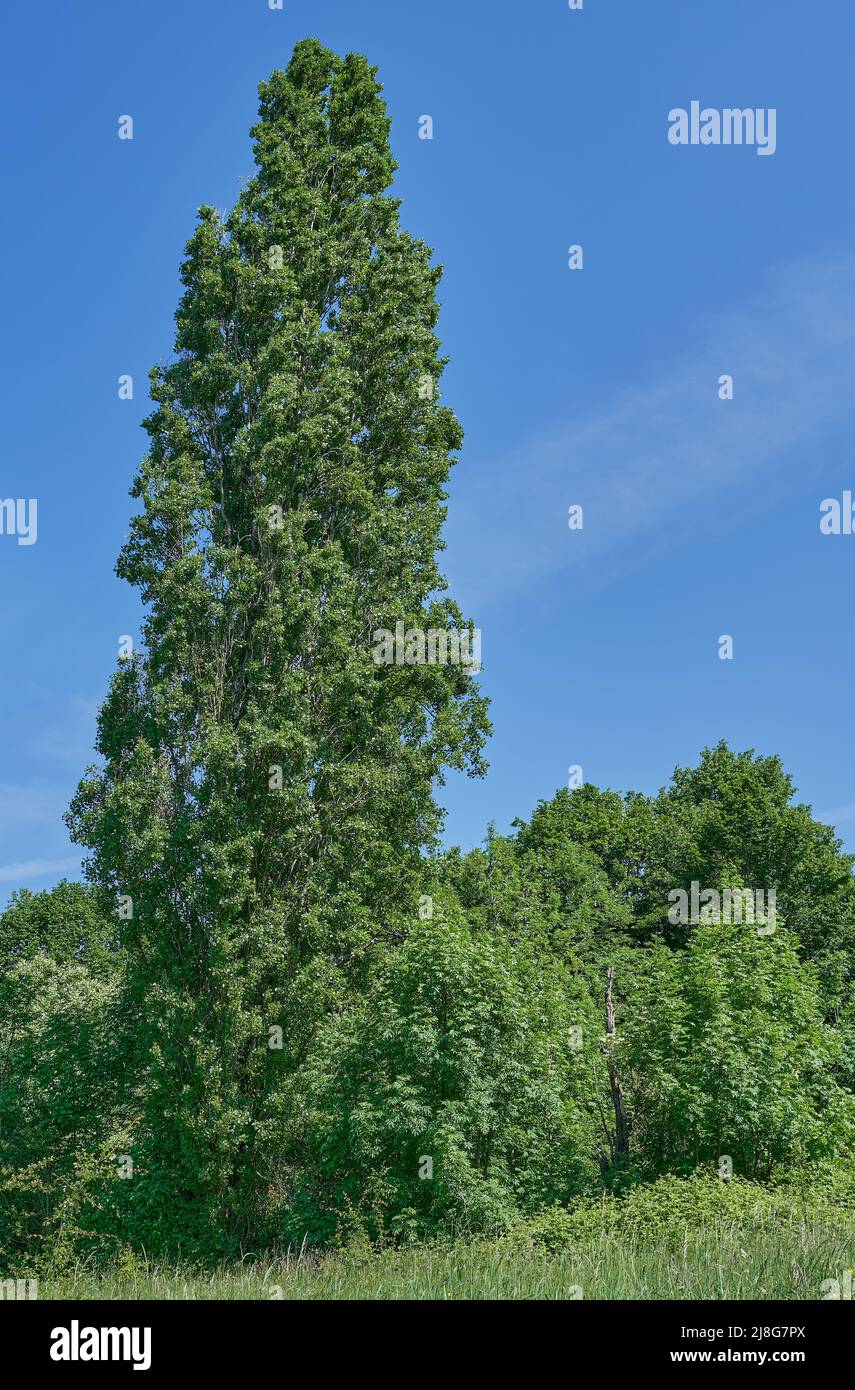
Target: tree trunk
x,y
618,1138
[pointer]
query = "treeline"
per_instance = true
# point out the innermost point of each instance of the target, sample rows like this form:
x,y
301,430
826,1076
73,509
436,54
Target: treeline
x,y
469,1083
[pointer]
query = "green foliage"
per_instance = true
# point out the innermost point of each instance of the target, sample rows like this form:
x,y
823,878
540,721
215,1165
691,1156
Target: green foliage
x,y
544,891
724,1053
733,814
475,1041
667,1211
265,810
57,1071
743,1244
453,1097
73,922
263,777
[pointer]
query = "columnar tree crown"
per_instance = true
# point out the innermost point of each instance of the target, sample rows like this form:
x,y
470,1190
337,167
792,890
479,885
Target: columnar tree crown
x,y
267,788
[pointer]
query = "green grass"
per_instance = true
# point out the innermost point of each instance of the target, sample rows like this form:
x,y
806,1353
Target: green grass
x,y
722,1261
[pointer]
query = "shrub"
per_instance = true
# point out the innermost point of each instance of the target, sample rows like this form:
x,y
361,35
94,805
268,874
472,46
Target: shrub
x,y
450,1098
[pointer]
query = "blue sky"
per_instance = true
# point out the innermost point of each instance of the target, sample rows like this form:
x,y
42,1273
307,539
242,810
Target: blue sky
x,y
597,387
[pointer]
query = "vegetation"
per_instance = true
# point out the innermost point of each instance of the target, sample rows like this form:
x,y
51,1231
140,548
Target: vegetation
x,y
678,1239
279,1017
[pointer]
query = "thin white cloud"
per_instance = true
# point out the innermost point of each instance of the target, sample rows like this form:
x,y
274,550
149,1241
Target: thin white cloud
x,y
838,816
644,468
37,868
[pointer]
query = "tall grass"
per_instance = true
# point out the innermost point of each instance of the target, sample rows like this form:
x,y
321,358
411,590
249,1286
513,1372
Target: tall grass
x,y
722,1261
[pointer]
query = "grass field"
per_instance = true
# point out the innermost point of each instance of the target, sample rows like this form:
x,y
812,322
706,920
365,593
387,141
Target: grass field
x,y
724,1261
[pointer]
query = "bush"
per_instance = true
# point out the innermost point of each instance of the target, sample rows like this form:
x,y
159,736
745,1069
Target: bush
x,y
452,1098
673,1207
724,1052
57,1076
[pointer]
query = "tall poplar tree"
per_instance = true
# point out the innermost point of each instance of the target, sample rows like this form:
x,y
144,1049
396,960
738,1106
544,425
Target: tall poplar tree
x,y
266,788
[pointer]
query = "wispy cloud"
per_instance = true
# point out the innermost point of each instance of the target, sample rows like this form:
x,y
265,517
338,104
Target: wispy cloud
x,y
838,816
644,468
37,868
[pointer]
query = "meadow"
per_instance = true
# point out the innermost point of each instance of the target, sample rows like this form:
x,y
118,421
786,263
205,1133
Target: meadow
x,y
672,1241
